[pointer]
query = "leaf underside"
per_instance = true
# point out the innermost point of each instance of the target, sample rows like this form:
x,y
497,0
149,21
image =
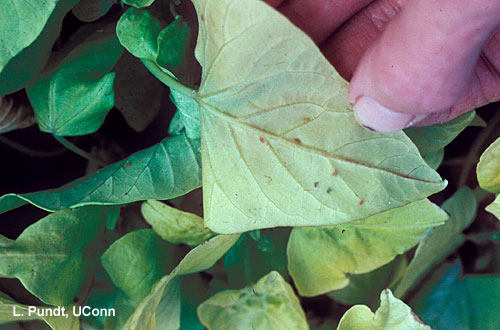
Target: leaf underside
x,y
280,144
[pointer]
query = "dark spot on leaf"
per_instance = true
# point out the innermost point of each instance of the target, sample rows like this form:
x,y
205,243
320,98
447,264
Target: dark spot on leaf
x,y
343,231
297,140
335,173
306,119
261,139
316,184
202,17
329,190
128,164
361,202
75,300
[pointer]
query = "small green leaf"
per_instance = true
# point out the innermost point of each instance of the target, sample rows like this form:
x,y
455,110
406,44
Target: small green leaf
x,y
488,169
434,159
75,98
366,288
269,304
138,3
280,143
136,261
8,307
91,10
173,225
188,111
21,22
393,314
200,258
166,170
450,301
138,103
430,139
26,65
172,42
320,259
138,33
441,241
59,246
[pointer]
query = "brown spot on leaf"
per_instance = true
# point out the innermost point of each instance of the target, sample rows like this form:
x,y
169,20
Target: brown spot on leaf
x,y
361,202
297,140
261,139
306,119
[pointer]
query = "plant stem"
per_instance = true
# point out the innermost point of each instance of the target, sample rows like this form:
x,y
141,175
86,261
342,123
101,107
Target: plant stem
x,y
167,79
77,150
473,154
28,151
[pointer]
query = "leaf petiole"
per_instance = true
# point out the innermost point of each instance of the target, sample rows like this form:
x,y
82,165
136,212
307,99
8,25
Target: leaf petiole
x,y
77,150
167,79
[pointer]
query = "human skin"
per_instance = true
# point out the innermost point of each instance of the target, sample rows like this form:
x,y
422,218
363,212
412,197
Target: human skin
x,y
410,62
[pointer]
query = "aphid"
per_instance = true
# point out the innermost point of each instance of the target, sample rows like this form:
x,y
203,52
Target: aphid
x,y
297,140
261,139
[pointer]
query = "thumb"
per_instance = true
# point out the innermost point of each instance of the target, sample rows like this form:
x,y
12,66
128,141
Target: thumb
x,y
422,63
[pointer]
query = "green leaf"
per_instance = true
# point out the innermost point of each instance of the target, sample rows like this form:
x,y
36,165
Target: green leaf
x,y
269,304
450,301
166,170
280,143
138,33
112,216
75,98
366,288
320,259
8,306
488,169
430,139
21,22
393,314
59,246
130,99
441,241
494,207
172,42
200,258
434,159
91,10
26,65
138,3
188,111
136,261
173,225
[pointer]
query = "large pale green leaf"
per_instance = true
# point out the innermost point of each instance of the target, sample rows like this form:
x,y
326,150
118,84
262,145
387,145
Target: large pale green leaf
x,y
320,259
366,288
92,10
136,261
21,22
30,61
173,225
8,306
441,241
269,304
430,139
54,256
280,144
166,170
393,314
200,258
488,169
75,97
494,207
452,301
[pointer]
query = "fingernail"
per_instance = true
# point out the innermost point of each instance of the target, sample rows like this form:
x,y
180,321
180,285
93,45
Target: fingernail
x,y
375,117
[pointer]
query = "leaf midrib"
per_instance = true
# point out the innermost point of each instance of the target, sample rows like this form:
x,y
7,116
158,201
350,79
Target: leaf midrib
x,y
233,120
